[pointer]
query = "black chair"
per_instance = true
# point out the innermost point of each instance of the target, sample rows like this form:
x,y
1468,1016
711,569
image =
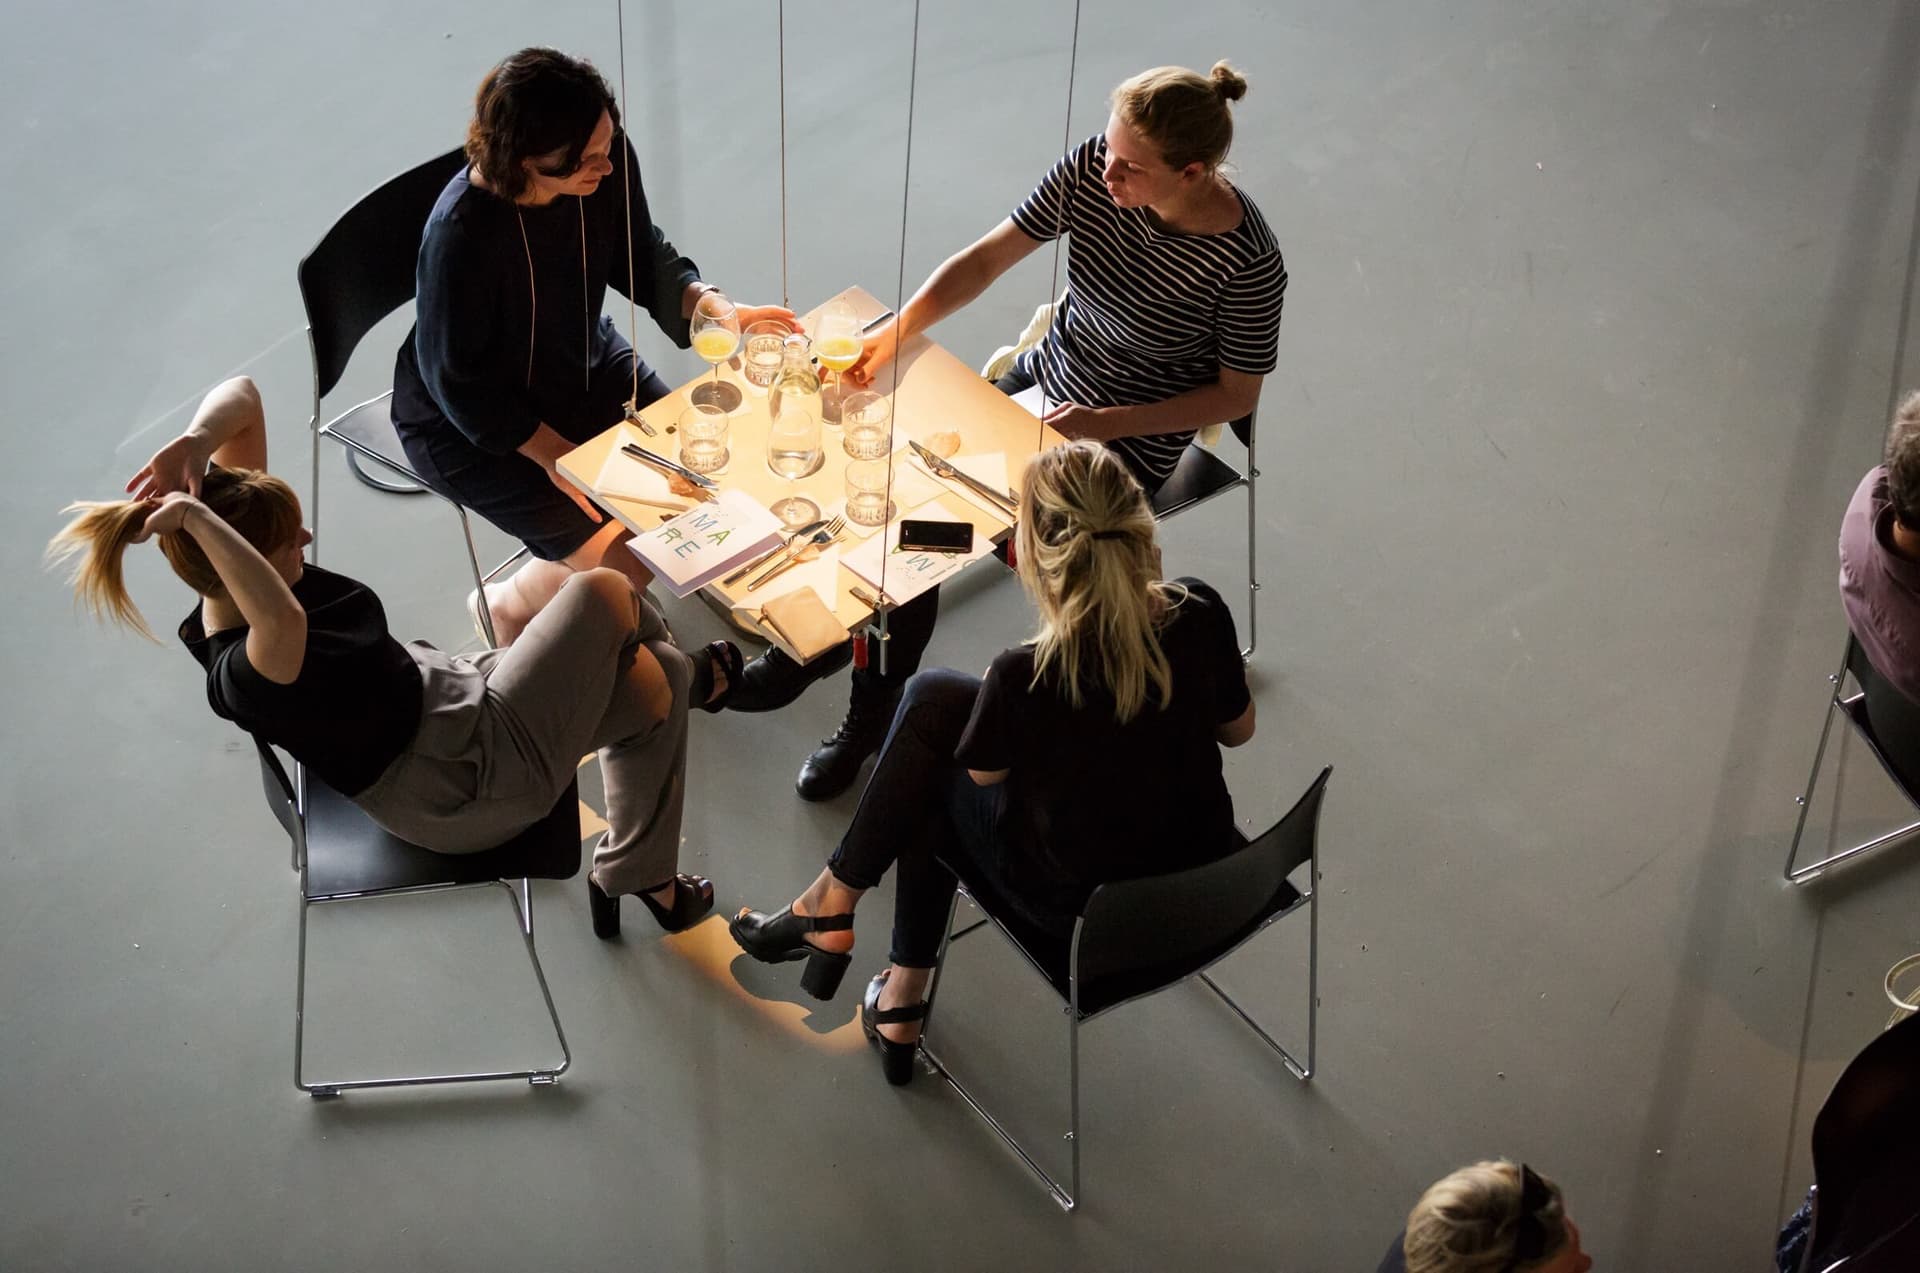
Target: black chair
x,y
1866,1162
1889,723
1200,476
1138,937
359,272
341,855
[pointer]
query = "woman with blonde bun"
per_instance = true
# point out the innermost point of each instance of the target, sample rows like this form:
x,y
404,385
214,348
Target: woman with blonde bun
x,y
454,753
1170,322
1491,1217
1090,753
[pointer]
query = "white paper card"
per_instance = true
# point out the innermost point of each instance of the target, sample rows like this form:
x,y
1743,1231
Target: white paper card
x,y
909,574
989,470
706,542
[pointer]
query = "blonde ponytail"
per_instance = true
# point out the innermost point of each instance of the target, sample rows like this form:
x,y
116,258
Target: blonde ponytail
x,y
99,536
1086,554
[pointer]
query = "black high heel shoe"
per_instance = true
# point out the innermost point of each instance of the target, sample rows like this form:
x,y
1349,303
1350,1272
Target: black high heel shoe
x,y
896,1059
779,938
692,899
715,656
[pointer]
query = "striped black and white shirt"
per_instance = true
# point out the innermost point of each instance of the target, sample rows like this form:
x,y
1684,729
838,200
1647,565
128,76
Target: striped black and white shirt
x,y
1148,313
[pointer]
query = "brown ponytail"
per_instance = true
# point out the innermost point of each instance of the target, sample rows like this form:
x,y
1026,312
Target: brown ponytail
x,y
261,507
1183,113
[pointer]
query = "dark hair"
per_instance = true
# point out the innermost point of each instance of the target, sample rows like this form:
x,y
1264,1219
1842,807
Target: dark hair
x,y
1903,462
535,102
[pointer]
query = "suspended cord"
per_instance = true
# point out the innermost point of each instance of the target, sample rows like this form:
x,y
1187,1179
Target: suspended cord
x,y
626,195
899,303
1067,191
786,298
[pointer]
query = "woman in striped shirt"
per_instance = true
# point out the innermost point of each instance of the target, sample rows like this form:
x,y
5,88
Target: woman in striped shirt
x,y
1170,322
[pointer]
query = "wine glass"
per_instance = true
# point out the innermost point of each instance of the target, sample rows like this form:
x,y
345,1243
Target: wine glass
x,y
793,452
715,326
836,343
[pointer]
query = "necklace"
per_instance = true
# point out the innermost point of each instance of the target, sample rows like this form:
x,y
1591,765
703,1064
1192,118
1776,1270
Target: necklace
x,y
533,298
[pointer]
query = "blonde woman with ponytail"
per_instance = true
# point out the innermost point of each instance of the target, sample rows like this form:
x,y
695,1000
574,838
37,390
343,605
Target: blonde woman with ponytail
x,y
1170,322
1090,753
455,754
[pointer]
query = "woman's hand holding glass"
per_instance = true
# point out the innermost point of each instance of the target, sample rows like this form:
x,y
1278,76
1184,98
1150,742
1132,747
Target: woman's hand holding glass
x,y
715,330
877,349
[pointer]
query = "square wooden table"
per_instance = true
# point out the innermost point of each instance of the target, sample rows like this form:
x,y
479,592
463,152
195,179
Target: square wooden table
x,y
937,393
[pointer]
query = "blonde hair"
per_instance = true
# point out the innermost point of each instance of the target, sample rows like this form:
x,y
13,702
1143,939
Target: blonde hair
x,y
1084,550
1468,1222
261,507
1902,458
1183,113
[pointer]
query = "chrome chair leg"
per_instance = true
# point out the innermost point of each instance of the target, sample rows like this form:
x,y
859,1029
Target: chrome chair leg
x,y
1253,577
1800,875
479,580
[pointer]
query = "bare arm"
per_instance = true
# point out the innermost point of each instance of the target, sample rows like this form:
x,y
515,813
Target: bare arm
x,y
956,283
1234,395
229,429
276,622
1238,730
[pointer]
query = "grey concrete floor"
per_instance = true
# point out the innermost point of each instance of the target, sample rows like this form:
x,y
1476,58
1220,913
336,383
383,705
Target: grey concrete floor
x,y
1594,320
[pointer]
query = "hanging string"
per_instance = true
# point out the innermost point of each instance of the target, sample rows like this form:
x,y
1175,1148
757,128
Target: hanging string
x,y
1069,188
626,195
899,309
786,298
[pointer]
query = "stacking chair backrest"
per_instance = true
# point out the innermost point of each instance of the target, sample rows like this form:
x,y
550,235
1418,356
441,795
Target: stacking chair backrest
x,y
1894,717
1141,934
362,269
1866,1159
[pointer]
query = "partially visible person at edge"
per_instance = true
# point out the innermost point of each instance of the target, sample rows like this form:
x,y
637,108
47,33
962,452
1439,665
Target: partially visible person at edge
x,y
1880,556
510,363
1492,1217
453,753
1170,322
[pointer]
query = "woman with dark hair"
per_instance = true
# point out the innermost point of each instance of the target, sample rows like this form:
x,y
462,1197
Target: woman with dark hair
x,y
1132,685
510,363
455,753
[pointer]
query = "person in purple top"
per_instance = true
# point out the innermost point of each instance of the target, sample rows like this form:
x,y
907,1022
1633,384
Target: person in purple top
x,y
1880,556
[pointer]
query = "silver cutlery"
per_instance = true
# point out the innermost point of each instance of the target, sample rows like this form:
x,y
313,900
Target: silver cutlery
x,y
1002,499
771,553
819,539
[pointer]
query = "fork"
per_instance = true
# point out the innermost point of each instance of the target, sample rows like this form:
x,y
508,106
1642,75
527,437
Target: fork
x,y
819,539
772,552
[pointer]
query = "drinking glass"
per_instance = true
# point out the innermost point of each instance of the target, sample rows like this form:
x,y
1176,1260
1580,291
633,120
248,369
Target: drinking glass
x,y
866,424
794,451
867,503
703,438
716,334
836,343
763,341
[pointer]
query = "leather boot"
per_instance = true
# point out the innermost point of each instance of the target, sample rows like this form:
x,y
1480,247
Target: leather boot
x,y
833,768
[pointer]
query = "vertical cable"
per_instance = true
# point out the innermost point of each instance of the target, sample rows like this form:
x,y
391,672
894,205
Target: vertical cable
x,y
626,196
1069,185
899,308
786,298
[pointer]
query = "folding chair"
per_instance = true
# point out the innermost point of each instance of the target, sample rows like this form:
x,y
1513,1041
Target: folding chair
x,y
1889,723
341,855
359,272
1138,937
1199,477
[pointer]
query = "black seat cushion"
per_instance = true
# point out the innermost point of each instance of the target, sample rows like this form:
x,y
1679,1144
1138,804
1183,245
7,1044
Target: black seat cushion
x,y
1200,475
369,427
347,853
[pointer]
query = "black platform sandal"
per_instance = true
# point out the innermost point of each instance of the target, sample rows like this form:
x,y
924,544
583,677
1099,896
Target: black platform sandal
x,y
692,899
779,938
896,1059
724,655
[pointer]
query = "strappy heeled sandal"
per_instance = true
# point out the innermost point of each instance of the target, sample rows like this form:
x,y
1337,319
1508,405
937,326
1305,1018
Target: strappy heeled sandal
x,y
692,899
780,938
724,655
896,1059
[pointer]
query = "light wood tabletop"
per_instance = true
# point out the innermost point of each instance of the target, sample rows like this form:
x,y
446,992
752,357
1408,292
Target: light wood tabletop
x,y
936,393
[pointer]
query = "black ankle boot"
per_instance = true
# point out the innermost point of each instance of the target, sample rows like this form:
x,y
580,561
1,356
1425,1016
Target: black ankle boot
x,y
833,768
773,680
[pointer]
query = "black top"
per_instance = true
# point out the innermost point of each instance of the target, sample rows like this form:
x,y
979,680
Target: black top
x,y
356,703
1091,800
1395,1260
508,330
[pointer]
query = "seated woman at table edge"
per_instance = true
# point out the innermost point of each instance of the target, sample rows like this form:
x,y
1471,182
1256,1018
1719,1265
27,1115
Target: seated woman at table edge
x,y
1132,684
453,753
1880,556
1491,1216
1170,321
510,363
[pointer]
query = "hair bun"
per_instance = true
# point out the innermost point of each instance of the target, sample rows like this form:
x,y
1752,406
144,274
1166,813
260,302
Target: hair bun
x,y
1227,82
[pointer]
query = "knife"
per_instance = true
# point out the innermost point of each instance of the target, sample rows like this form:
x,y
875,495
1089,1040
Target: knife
x,y
773,552
943,469
645,456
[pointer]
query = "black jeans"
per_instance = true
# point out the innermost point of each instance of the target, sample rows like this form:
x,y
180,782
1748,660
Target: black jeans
x,y
922,813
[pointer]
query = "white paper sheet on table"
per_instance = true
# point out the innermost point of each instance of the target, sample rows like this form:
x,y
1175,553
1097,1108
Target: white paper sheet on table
x,y
988,469
623,476
907,575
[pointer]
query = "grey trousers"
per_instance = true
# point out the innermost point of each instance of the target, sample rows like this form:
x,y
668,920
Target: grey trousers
x,y
501,733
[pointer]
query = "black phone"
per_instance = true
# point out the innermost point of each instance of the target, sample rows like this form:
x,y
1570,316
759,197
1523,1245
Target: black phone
x,y
935,537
